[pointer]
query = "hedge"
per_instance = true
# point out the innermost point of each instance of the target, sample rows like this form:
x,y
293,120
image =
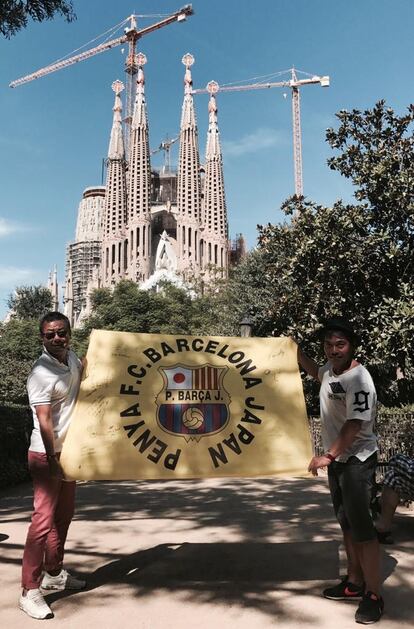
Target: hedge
x,y
15,429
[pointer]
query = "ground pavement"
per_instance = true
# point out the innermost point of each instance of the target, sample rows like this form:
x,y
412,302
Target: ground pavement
x,y
222,554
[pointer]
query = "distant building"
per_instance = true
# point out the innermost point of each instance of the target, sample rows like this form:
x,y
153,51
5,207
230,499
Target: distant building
x,y
52,285
237,250
146,225
84,255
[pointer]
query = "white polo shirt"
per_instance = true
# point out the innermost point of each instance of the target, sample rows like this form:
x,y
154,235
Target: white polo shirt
x,y
351,395
52,382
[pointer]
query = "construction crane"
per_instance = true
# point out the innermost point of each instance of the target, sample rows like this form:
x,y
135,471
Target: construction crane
x,y
166,147
295,84
130,37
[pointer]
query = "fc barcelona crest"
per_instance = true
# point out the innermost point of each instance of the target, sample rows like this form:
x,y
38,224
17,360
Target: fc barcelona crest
x,y
193,402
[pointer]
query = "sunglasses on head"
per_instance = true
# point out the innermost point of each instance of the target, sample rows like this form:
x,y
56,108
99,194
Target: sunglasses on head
x,y
51,335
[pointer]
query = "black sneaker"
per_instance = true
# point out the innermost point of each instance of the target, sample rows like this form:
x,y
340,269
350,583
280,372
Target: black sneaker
x,y
370,609
344,591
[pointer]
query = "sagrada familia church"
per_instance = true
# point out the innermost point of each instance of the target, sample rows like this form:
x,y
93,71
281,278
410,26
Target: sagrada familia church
x,y
147,225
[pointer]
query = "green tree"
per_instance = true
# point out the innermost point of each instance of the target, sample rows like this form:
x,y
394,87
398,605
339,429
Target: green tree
x,y
30,302
129,309
376,149
195,309
20,345
350,259
170,310
15,14
213,311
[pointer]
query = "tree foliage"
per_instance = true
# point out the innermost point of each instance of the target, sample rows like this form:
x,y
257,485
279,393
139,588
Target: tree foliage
x,y
172,310
15,14
30,302
376,152
20,345
353,260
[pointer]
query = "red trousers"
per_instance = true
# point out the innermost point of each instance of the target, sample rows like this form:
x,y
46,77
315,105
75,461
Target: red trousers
x,y
54,501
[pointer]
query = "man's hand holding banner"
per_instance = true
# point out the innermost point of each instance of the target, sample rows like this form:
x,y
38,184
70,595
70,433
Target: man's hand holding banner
x,y
161,406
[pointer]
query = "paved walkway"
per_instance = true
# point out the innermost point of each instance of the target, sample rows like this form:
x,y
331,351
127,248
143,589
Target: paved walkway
x,y
222,554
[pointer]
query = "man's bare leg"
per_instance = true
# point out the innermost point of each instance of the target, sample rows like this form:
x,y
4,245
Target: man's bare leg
x,y
355,572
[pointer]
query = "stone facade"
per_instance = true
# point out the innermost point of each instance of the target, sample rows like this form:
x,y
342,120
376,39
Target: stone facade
x,y
152,225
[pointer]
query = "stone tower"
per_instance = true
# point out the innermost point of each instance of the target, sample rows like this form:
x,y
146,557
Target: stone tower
x,y
139,186
114,221
215,232
189,182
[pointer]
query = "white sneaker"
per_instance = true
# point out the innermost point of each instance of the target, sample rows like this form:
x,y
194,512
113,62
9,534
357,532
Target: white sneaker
x,y
35,605
62,581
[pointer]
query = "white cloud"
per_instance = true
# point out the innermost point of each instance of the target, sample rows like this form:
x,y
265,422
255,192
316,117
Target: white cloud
x,y
10,227
11,276
6,227
262,138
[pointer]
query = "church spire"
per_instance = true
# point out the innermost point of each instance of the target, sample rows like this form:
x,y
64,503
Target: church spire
x,y
54,288
116,143
139,190
215,212
188,186
213,150
113,257
68,297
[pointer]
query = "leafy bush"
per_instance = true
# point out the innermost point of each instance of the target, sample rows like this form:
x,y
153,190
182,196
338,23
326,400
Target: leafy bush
x,y
15,429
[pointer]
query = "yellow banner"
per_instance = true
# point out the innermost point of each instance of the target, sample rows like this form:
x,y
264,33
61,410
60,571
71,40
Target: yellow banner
x,y
160,406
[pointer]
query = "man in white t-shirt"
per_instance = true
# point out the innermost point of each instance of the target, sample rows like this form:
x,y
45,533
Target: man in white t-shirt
x,y
348,410
52,386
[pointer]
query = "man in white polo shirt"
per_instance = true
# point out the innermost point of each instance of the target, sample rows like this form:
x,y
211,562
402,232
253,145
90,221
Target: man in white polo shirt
x,y
52,386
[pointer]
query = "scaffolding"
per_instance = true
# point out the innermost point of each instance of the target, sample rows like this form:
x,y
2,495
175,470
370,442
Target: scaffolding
x,y
237,250
83,258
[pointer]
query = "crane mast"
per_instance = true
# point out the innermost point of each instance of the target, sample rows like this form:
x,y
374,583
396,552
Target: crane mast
x,y
295,84
165,146
297,137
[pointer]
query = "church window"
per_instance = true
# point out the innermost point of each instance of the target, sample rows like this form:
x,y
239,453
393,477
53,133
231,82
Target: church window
x,y
113,259
125,255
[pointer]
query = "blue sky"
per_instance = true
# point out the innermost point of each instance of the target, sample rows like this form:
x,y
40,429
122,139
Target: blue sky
x,y
54,132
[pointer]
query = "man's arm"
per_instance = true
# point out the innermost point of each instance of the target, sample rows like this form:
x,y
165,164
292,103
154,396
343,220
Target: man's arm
x,y
44,415
308,364
344,440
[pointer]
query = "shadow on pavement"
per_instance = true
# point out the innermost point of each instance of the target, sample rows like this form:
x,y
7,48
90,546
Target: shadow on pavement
x,y
275,539
249,563
232,573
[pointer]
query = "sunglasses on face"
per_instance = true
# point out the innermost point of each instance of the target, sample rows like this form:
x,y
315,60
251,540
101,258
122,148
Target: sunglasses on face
x,y
51,335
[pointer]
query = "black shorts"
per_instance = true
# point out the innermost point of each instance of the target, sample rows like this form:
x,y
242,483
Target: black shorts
x,y
352,486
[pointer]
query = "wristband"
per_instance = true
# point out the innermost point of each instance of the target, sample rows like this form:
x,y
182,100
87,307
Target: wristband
x,y
329,456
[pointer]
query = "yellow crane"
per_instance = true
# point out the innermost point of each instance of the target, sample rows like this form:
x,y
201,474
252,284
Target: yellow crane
x,y
130,37
165,146
295,84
